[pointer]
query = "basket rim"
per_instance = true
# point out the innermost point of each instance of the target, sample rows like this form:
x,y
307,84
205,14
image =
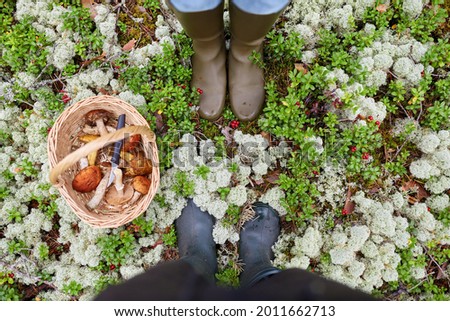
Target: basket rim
x,y
114,105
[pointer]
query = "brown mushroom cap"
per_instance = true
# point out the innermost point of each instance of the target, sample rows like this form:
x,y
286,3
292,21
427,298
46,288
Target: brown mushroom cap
x,y
87,179
139,166
141,184
132,142
93,115
112,197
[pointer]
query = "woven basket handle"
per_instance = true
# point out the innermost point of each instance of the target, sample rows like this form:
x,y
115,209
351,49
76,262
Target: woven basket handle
x,y
97,144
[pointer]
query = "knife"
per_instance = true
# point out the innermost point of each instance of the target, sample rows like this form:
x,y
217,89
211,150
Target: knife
x,y
116,154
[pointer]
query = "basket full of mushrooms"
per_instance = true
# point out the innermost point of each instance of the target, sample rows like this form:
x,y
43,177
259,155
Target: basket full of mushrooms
x,y
104,161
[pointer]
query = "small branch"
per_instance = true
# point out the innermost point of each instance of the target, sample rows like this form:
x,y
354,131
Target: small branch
x,y
434,261
398,151
22,275
420,113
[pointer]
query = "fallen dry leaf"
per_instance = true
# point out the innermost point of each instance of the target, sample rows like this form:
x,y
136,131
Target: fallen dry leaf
x,y
129,45
273,176
89,61
267,136
441,275
103,91
349,206
258,181
90,4
414,187
382,7
159,122
301,67
226,131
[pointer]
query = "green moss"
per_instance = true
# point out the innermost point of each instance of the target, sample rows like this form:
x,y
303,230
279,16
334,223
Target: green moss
x,y
129,29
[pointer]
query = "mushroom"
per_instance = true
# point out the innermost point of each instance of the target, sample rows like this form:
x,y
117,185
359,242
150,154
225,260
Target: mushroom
x,y
88,138
139,166
141,185
118,181
132,142
87,179
98,117
99,192
94,131
83,163
113,197
128,157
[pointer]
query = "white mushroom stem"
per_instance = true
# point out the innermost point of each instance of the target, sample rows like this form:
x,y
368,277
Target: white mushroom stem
x,y
94,130
84,163
135,197
118,184
99,192
101,127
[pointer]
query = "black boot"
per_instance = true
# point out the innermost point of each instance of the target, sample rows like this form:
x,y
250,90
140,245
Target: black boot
x,y
195,241
255,246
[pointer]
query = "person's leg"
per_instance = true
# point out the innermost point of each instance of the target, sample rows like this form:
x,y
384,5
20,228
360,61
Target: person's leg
x,y
296,284
250,20
175,280
192,277
255,245
195,241
203,22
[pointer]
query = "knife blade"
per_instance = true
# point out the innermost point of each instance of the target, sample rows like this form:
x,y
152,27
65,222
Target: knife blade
x,y
116,153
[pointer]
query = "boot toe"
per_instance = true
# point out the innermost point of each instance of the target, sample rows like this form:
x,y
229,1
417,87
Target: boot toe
x,y
211,107
247,103
195,241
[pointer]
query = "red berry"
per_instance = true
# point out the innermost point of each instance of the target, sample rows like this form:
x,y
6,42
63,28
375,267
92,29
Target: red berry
x,y
183,87
344,212
112,267
370,118
378,123
353,149
65,98
11,275
365,156
298,103
428,209
316,173
234,124
199,91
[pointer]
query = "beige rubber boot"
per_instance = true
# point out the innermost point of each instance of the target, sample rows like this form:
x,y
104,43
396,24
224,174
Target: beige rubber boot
x,y
208,63
245,79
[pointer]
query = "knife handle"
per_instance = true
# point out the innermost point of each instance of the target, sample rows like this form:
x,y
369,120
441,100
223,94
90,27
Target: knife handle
x,y
118,145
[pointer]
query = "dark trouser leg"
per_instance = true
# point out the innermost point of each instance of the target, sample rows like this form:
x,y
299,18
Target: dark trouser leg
x,y
176,280
296,284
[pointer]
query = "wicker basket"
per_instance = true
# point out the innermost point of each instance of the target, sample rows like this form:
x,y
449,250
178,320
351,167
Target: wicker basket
x,y
64,161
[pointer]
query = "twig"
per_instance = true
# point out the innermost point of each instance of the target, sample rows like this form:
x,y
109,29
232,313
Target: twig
x,y
418,284
398,151
168,17
420,113
434,261
24,102
394,75
36,279
50,81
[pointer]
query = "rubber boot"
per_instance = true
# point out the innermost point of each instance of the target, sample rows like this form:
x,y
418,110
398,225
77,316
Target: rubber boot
x,y
255,246
249,23
195,241
203,22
